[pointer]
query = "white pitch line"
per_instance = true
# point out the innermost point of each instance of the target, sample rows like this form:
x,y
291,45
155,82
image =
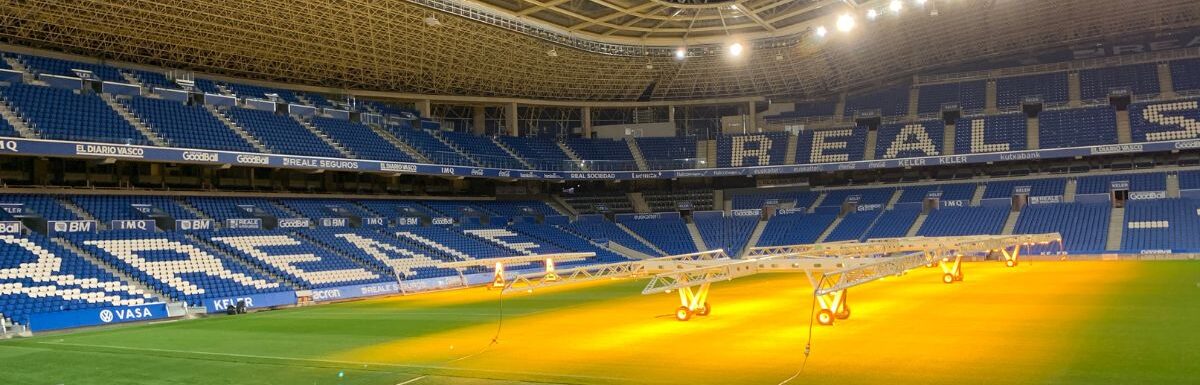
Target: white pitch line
x,y
412,380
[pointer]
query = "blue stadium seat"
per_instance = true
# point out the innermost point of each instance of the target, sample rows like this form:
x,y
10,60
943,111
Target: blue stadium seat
x,y
794,229
360,140
1139,79
668,153
1077,127
891,101
957,221
483,150
995,133
762,149
665,230
57,113
923,138
603,154
969,96
281,133
729,233
189,126
1050,87
1084,226
832,145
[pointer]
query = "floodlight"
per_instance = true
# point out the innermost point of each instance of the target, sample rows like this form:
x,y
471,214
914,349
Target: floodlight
x,y
821,31
872,14
896,5
735,49
680,53
845,23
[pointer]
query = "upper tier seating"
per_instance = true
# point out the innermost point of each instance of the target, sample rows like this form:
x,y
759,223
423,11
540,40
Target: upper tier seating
x,y
483,150
550,235
7,129
152,79
889,101
301,262
1100,184
360,140
540,153
1185,74
894,223
1037,188
665,231
516,208
762,149
1189,180
906,140
956,221
428,145
810,109
968,95
174,265
729,233
1078,127
1162,224
1139,79
668,153
61,67
603,154
183,125
57,113
997,133
1159,121
1084,226
280,133
40,276
207,86
586,204
832,145
794,229
324,208
257,92
395,208
1051,88
600,230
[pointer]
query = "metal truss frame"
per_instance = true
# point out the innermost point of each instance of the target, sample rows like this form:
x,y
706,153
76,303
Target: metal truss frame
x,y
531,282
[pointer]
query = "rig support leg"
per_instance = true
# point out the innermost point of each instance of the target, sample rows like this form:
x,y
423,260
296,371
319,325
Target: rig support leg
x,y
832,306
693,302
1010,259
498,281
952,269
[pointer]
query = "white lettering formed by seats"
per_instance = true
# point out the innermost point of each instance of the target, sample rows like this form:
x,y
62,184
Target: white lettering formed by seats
x,y
740,152
170,272
251,245
821,143
921,142
1154,114
47,270
378,250
978,140
494,235
435,245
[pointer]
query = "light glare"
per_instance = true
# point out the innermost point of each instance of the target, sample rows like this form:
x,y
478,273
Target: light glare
x,y
735,49
845,23
680,53
821,31
872,14
896,5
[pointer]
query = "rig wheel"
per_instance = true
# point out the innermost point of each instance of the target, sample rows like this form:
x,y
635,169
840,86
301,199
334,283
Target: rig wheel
x,y
844,314
704,309
825,317
683,314
948,278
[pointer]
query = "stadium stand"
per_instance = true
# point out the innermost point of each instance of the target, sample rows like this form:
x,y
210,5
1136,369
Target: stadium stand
x,y
302,263
1037,187
952,221
46,65
600,230
1167,120
1100,184
1185,74
727,232
540,153
794,229
764,149
832,145
905,140
360,140
969,96
757,200
1084,226
170,263
895,222
853,226
57,113
485,152
668,153
891,101
280,133
429,146
1162,225
1077,127
1050,87
1138,79
996,133
183,125
664,230
603,154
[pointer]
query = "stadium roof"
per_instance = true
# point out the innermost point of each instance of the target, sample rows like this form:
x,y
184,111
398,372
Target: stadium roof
x,y
612,50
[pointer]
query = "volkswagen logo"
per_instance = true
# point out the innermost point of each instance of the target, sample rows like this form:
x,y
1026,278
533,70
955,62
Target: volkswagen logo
x,y
106,316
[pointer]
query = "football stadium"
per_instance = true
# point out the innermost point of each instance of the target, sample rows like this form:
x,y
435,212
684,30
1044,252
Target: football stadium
x,y
488,192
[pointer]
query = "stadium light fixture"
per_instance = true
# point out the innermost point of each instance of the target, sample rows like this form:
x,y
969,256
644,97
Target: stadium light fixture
x,y
896,6
680,53
845,23
735,49
919,2
821,31
872,14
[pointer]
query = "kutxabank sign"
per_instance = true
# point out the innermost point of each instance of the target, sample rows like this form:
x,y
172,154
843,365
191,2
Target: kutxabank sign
x,y
56,148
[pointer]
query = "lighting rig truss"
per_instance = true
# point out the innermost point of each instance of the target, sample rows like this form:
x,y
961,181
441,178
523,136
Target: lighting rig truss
x,y
533,281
